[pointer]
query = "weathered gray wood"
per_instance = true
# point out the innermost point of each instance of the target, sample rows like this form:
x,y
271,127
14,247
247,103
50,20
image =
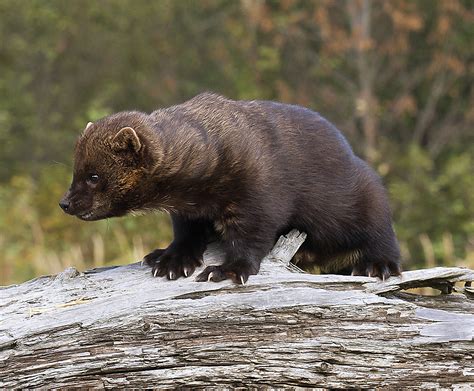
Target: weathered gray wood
x,y
120,327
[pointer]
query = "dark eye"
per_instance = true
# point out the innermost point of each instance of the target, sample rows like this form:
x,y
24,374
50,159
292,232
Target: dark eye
x,y
93,179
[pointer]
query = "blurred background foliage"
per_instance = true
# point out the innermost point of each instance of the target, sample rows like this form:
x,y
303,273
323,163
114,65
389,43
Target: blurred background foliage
x,y
395,76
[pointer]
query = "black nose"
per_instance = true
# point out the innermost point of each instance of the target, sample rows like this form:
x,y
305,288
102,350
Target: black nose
x,y
64,205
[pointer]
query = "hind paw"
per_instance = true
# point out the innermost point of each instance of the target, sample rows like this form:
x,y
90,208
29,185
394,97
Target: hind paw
x,y
381,269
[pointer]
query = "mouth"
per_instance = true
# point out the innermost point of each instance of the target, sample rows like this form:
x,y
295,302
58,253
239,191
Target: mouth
x,y
94,216
88,216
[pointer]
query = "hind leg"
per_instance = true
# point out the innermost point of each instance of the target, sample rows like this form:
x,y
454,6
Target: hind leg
x,y
381,260
376,261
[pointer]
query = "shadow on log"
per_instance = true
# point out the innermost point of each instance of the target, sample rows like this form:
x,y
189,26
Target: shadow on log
x,y
120,327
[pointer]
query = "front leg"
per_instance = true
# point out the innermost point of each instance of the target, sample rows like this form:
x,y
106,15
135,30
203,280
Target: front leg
x,y
184,254
245,245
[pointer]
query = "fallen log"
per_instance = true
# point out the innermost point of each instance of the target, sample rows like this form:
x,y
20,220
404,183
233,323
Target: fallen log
x,y
120,327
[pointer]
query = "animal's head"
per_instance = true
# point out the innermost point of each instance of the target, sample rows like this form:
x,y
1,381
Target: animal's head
x,y
111,160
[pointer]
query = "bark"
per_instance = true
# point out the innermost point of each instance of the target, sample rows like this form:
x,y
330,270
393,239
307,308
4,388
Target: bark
x,y
120,327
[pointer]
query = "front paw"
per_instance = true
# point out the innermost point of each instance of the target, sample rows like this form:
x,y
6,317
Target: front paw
x,y
238,272
172,263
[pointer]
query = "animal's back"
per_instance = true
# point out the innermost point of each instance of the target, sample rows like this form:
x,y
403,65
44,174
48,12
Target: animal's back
x,y
297,150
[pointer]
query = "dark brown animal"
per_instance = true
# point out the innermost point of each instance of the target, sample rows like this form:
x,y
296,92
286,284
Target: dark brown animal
x,y
244,172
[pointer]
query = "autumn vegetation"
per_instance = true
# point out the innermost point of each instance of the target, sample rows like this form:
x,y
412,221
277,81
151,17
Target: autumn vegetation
x,y
395,76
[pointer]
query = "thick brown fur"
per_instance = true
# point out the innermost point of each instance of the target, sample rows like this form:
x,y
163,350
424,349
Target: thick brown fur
x,y
244,172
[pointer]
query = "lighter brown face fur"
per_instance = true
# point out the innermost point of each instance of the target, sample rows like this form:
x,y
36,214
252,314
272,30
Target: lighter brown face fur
x,y
107,172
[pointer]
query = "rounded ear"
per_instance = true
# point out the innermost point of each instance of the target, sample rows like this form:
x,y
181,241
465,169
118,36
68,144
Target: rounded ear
x,y
126,139
88,124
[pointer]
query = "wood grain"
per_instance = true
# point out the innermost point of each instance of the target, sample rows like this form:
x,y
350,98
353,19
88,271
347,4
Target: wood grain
x,y
120,327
